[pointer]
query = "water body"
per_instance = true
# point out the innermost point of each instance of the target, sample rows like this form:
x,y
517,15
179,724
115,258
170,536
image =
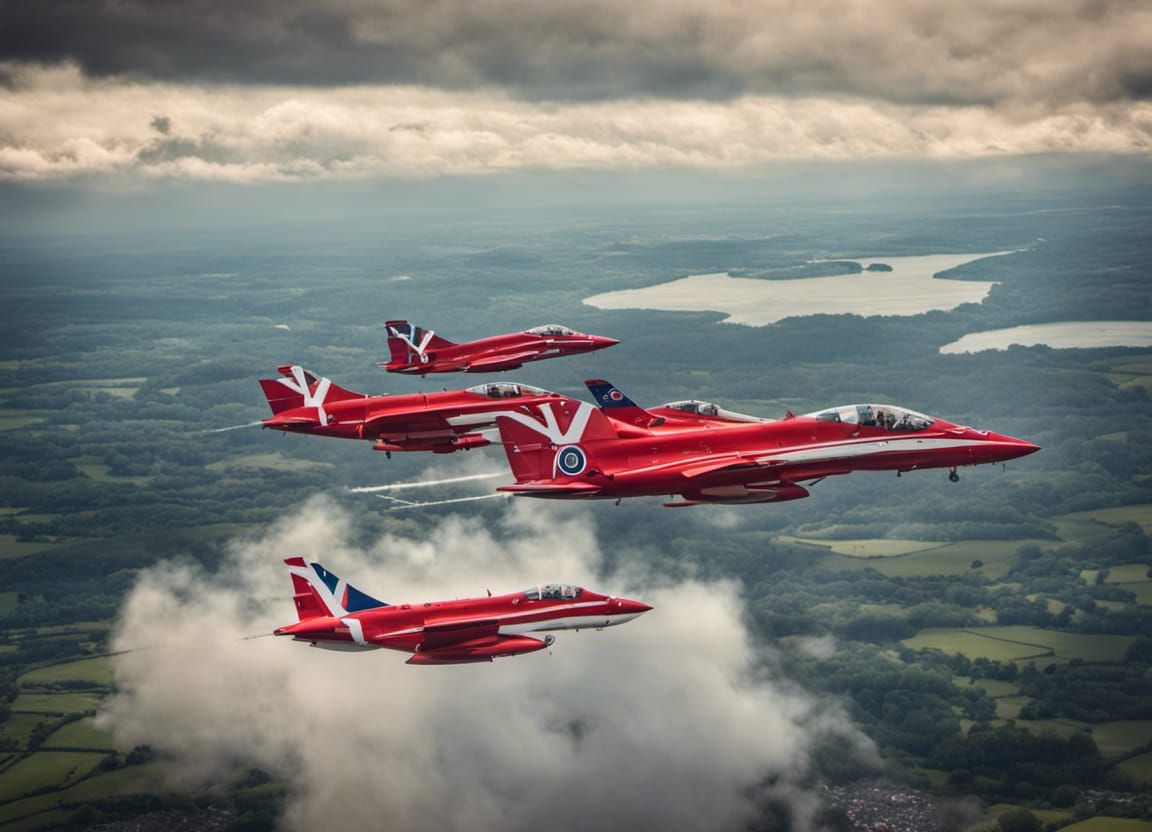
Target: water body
x,y
909,289
1066,335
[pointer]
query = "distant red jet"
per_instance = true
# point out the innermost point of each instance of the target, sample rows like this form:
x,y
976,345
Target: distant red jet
x,y
302,402
418,351
570,450
337,616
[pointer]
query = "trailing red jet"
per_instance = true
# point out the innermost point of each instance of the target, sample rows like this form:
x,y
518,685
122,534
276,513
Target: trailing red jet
x,y
690,413
302,402
569,449
418,351
335,615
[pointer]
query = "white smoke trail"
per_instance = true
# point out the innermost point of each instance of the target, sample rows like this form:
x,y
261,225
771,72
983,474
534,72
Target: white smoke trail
x,y
400,486
405,504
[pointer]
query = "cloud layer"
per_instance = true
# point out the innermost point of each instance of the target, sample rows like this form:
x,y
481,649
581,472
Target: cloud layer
x,y
661,723
909,51
57,123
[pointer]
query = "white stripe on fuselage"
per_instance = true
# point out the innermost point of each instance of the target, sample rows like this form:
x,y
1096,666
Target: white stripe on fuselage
x,y
502,617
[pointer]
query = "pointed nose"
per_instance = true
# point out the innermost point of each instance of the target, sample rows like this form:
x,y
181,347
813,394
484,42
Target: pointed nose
x,y
600,342
630,607
1004,448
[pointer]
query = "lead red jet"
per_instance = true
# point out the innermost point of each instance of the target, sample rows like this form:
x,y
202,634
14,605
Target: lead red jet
x,y
418,351
335,615
303,402
568,449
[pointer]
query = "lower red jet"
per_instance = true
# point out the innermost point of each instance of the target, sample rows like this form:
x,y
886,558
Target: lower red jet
x,y
337,616
569,449
419,351
302,402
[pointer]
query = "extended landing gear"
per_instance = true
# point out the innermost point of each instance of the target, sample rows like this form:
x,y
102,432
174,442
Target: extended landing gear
x,y
953,476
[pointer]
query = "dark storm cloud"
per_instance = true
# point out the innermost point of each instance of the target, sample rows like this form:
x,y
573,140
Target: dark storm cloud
x,y
910,51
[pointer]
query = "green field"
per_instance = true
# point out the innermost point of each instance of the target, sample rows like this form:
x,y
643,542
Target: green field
x,y
947,559
867,547
1020,642
56,703
98,671
12,547
1009,707
8,602
1102,824
993,813
972,644
47,768
19,726
82,733
1142,590
1060,727
1123,737
1139,768
1117,515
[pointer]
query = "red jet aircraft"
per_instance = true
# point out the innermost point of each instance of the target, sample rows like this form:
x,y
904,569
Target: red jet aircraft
x,y
337,616
418,351
302,402
570,450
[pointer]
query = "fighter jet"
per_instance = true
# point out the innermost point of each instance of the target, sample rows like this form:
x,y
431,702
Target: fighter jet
x,y
690,413
418,351
335,615
303,402
569,449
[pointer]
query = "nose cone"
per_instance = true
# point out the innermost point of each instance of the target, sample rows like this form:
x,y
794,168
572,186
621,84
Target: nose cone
x,y
1009,447
599,342
629,607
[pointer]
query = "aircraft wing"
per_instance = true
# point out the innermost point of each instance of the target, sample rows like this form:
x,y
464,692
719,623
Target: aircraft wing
x,y
410,420
549,489
497,362
455,631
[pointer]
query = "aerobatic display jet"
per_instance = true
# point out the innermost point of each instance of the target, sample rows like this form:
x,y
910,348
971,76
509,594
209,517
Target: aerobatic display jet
x,y
303,402
569,449
418,351
335,615
690,413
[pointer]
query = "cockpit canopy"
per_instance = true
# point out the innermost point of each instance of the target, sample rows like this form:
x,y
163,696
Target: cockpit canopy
x,y
553,592
551,329
709,409
505,390
887,416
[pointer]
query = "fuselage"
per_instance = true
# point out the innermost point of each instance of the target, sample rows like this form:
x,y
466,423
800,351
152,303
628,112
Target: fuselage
x,y
423,626
500,352
762,461
417,421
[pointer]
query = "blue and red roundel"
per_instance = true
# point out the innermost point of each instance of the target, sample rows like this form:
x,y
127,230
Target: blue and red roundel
x,y
571,460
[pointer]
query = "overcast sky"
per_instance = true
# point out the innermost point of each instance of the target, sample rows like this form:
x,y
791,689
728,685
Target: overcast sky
x,y
292,90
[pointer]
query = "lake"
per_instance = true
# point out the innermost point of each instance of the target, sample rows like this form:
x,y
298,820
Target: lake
x,y
1065,335
909,289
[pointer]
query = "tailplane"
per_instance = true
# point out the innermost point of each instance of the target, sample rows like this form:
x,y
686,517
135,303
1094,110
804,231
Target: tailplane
x,y
298,387
618,407
410,345
317,592
559,445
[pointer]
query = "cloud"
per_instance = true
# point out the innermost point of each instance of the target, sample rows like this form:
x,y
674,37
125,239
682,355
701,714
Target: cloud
x,y
665,722
907,51
57,123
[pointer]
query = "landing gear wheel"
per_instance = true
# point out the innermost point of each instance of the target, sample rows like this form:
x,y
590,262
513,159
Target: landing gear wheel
x,y
953,476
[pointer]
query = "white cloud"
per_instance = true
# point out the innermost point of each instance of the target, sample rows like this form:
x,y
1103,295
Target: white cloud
x,y
661,723
56,123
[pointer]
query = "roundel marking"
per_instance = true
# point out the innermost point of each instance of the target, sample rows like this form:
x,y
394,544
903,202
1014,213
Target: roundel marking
x,y
571,460
615,395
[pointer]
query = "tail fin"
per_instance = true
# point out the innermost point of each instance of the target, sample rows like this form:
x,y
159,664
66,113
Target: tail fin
x,y
317,592
300,388
617,406
553,446
408,344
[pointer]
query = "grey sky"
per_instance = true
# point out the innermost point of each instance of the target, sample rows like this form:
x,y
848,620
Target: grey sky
x,y
294,90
